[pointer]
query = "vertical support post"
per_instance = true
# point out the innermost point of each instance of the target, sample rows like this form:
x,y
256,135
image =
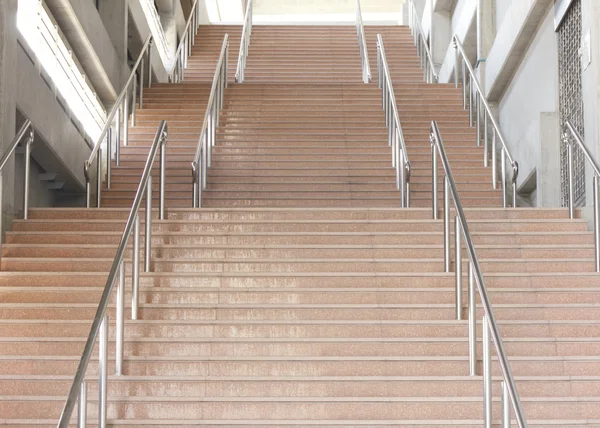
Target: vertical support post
x,y
141,84
199,181
118,137
455,64
150,64
486,148
503,178
82,409
209,139
596,224
204,166
514,191
447,245
120,321
434,175
134,97
126,118
494,161
464,81
108,157
148,238
135,269
571,181
458,268
401,178
487,375
470,101
505,405
478,117
99,178
27,174
102,372
163,176
472,323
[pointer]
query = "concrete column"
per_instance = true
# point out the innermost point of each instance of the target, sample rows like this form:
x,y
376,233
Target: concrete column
x,y
115,16
486,32
441,35
8,84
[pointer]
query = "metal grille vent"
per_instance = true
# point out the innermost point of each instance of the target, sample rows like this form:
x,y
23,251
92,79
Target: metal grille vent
x,y
571,99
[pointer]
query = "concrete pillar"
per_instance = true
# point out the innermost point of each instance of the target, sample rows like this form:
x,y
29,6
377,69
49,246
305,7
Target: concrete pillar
x,y
486,32
115,16
8,84
441,36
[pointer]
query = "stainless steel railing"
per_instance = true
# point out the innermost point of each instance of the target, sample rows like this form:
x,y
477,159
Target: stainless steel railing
x,y
392,120
184,50
208,134
362,44
475,101
490,325
414,21
27,139
100,324
120,115
244,44
578,140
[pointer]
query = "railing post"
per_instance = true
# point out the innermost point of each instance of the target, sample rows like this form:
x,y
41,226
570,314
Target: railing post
x,y
135,269
470,101
103,372
401,177
486,148
478,117
455,63
505,405
150,64
487,375
503,178
458,267
464,82
472,323
99,178
118,138
108,157
148,238
434,175
134,97
126,118
82,409
494,161
163,175
27,174
141,85
571,180
120,321
447,245
596,223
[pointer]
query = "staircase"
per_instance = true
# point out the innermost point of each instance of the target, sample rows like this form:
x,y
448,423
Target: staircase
x,y
300,295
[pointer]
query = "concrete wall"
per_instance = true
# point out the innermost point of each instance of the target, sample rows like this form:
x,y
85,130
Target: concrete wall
x,y
501,7
526,109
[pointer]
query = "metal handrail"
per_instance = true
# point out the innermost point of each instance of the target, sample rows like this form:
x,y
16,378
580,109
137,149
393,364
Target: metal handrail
x,y
362,44
121,110
596,187
184,50
100,323
244,44
421,43
392,120
208,134
490,325
487,116
27,126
